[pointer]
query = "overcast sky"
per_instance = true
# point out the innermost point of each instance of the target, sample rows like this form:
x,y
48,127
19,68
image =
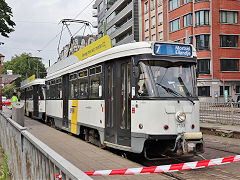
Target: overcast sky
x,y
37,26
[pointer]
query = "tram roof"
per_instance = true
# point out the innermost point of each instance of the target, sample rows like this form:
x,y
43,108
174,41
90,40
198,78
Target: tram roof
x,y
32,83
124,50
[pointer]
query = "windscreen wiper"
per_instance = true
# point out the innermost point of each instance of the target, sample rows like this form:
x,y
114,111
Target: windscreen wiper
x,y
184,87
169,90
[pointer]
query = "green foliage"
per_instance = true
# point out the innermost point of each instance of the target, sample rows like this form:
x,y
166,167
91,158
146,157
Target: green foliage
x,y
8,90
25,65
6,24
4,167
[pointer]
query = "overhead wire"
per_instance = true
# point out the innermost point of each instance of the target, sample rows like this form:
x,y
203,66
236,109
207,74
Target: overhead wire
x,y
64,28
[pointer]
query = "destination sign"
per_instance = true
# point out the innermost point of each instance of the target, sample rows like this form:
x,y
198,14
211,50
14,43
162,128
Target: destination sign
x,y
173,49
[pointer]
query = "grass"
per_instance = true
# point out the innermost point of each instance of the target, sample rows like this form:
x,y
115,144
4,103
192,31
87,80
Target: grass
x,y
4,173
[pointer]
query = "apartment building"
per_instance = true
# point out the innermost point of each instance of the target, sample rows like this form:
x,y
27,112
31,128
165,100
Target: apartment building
x,y
212,26
152,20
119,19
77,43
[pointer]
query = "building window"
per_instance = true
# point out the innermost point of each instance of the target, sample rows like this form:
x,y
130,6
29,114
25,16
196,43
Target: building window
x,y
203,66
175,25
237,88
160,34
186,1
146,25
173,4
160,18
160,2
228,41
229,65
152,4
202,18
146,38
153,21
204,91
154,37
187,20
202,42
229,17
221,90
146,7
190,40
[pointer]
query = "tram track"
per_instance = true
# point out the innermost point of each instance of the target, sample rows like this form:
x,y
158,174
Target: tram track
x,y
221,150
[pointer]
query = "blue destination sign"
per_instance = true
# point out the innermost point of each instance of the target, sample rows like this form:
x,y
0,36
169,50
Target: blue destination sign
x,y
173,50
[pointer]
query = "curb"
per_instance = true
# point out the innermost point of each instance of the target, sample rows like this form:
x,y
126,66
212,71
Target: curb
x,y
220,132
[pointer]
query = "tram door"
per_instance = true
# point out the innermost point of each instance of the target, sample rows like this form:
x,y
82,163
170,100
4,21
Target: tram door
x,y
35,101
118,117
65,94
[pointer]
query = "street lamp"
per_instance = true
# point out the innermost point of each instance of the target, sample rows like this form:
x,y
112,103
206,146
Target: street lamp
x,y
1,59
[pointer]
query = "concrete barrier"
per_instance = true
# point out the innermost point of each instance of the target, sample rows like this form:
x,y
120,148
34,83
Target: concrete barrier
x,y
29,158
18,113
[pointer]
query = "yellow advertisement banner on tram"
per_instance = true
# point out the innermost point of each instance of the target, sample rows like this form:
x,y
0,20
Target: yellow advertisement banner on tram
x,y
98,46
31,78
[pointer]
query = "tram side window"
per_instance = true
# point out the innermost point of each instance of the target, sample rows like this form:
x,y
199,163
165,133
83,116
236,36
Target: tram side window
x,y
30,93
73,86
142,89
95,81
41,93
83,84
59,88
48,90
22,94
53,90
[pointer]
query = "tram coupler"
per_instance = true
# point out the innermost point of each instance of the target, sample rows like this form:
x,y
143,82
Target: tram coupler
x,y
192,143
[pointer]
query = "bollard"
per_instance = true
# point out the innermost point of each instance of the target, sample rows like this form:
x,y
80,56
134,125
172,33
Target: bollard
x,y
18,113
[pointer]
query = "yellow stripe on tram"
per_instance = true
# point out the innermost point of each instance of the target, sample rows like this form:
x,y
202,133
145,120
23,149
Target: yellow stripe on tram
x,y
74,117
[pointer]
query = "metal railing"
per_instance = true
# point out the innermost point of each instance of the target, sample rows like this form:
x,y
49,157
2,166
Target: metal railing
x,y
225,113
29,158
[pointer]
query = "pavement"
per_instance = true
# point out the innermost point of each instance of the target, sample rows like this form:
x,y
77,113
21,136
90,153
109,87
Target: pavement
x,y
231,131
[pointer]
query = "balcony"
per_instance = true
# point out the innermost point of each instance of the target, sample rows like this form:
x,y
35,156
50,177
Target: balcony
x,y
126,40
123,28
120,15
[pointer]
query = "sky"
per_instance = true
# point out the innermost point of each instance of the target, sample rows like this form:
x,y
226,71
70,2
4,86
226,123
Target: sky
x,y
38,27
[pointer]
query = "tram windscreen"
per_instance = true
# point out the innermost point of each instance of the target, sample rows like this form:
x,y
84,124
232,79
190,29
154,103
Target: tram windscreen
x,y
166,79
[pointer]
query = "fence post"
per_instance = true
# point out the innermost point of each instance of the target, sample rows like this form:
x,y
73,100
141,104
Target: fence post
x,y
232,120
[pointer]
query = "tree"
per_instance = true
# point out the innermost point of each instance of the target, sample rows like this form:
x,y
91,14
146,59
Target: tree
x,y
8,90
25,65
6,24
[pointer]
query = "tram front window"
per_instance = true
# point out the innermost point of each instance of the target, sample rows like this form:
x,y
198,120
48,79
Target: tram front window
x,y
166,79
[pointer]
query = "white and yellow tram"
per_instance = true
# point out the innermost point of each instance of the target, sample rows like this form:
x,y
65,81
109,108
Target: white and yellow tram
x,y
137,97
33,94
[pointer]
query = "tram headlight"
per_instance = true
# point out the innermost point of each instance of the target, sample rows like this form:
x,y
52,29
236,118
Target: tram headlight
x,y
180,116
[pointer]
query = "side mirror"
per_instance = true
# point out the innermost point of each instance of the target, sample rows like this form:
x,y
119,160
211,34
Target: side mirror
x,y
135,72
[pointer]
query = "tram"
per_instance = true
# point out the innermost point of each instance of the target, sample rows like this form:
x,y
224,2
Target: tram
x,y
34,94
138,97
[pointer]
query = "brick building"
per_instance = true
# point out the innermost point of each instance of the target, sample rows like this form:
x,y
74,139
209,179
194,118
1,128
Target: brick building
x,y
212,26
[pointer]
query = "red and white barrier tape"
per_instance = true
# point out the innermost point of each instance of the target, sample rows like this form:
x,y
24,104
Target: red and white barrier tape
x,y
166,168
